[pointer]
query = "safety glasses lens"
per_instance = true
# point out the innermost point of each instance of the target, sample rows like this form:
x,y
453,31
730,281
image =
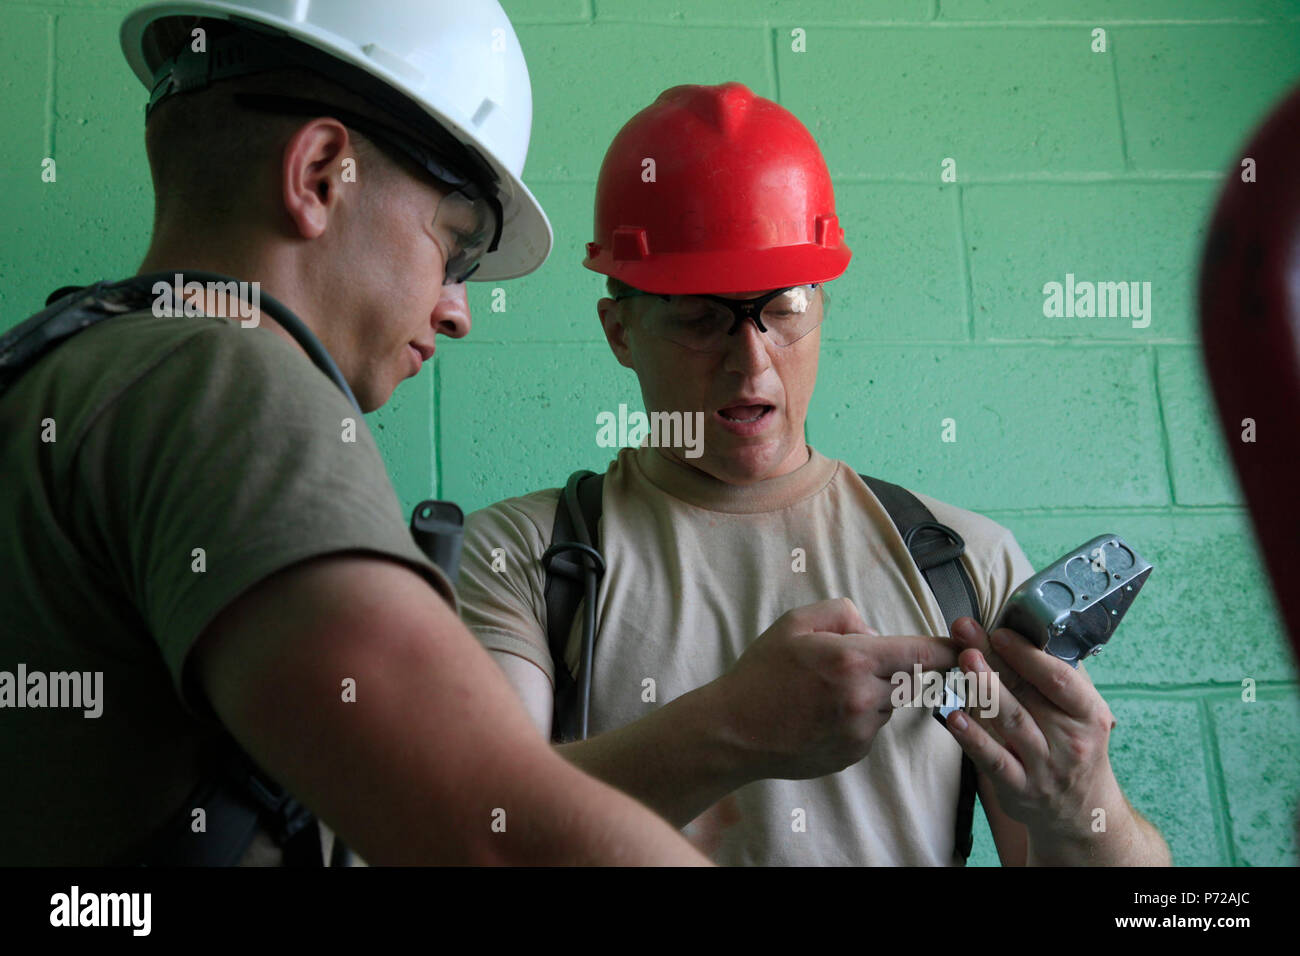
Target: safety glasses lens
x,y
465,227
705,324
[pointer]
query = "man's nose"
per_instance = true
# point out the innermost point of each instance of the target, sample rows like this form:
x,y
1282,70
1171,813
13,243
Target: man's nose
x,y
451,315
747,349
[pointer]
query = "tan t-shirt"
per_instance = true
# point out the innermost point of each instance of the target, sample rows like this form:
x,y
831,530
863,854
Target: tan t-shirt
x,y
697,569
169,435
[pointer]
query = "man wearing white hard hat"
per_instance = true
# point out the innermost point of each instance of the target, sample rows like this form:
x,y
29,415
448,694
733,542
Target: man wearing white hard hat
x,y
215,625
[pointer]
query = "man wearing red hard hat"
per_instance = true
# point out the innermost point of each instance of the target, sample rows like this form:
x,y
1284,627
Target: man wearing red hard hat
x,y
624,607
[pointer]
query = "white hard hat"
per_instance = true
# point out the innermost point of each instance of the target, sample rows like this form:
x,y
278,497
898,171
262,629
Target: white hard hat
x,y
458,61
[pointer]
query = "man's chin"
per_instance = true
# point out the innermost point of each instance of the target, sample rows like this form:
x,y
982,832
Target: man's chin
x,y
373,398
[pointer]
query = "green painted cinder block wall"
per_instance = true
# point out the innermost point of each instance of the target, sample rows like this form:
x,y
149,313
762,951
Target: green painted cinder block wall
x,y
1069,161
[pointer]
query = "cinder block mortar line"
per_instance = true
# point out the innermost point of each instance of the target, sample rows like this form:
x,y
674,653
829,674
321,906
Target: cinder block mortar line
x,y
874,344
89,6
1217,784
773,65
935,24
1119,107
1269,690
963,259
51,105
933,20
437,427
1048,177
1130,178
1133,511
1166,446
432,479
1096,342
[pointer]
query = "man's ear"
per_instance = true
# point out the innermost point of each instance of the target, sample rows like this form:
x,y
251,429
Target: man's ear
x,y
312,172
612,321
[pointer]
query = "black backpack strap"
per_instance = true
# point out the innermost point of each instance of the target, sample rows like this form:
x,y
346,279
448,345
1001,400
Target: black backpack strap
x,y
573,555
238,800
68,311
937,550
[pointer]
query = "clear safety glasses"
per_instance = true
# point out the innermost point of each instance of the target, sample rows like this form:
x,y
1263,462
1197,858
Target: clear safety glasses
x,y
705,322
469,216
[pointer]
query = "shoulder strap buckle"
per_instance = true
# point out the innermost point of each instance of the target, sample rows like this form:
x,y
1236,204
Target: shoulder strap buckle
x,y
930,552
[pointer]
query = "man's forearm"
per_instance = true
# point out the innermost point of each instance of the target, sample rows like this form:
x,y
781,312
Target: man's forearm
x,y
561,816
1129,839
679,760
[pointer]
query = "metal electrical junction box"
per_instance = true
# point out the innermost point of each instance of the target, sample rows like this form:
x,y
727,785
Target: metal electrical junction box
x,y
1072,607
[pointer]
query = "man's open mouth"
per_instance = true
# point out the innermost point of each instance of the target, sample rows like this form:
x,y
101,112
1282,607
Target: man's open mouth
x,y
744,414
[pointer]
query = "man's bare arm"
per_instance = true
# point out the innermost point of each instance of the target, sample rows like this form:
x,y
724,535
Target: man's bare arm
x,y
1009,836
1129,839
435,743
806,699
680,759
677,759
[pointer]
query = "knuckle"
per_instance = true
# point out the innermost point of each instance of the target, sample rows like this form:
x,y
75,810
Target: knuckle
x,y
1102,720
858,705
1014,718
789,620
1061,680
1078,748
998,765
844,662
851,708
861,736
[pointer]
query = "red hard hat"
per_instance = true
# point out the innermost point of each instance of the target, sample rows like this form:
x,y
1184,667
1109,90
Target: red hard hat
x,y
737,198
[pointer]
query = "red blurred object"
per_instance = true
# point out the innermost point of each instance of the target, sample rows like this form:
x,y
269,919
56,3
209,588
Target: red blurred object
x,y
1250,330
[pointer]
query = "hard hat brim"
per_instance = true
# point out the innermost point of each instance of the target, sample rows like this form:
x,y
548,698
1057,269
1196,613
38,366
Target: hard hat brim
x,y
721,272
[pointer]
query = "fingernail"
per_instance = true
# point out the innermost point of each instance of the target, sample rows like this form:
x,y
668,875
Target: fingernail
x,y
872,631
962,629
958,720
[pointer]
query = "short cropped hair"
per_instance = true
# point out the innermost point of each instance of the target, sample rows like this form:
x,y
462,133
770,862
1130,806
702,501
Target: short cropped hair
x,y
205,149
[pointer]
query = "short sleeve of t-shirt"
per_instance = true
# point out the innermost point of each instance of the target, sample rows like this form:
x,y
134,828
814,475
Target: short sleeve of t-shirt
x,y
501,580
231,457
1007,571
